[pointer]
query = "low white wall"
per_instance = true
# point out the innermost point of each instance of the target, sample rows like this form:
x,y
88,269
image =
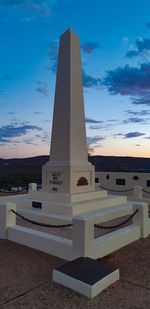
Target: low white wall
x,y
108,181
45,242
83,242
109,243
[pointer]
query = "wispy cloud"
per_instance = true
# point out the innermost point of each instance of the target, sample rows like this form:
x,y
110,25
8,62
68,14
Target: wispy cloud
x,y
134,120
142,46
112,120
89,47
90,82
53,54
29,141
43,89
39,7
142,99
140,113
37,113
97,146
132,53
90,120
130,81
10,131
102,126
129,135
94,139
133,135
45,137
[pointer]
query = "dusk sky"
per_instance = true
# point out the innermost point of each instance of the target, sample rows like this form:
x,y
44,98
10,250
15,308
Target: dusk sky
x,y
115,50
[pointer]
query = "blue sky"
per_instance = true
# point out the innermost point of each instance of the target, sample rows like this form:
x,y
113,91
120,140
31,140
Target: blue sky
x,y
115,50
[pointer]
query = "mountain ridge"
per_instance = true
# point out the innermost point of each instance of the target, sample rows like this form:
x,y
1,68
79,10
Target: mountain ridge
x,y
102,163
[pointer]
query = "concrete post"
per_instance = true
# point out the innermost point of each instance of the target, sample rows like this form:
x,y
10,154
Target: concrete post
x,y
7,218
32,187
83,236
137,192
141,218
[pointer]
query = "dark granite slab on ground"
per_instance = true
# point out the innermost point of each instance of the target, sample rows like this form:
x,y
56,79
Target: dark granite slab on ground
x,y
86,270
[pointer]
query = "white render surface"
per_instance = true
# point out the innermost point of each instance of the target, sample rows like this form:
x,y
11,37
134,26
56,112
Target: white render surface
x,y
109,243
83,242
32,186
83,288
68,146
137,186
80,204
66,208
45,242
6,218
129,181
68,170
66,197
141,218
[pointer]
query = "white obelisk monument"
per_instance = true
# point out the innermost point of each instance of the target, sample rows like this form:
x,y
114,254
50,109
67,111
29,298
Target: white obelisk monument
x,y
68,179
68,170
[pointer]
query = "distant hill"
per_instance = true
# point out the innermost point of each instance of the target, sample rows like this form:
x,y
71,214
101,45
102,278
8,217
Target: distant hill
x,y
20,172
102,163
120,164
25,161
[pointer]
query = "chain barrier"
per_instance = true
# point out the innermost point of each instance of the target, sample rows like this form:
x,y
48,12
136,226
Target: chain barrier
x,y
116,190
117,225
69,225
38,223
145,191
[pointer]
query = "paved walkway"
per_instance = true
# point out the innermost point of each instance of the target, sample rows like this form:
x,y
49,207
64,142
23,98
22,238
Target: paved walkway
x,y
25,280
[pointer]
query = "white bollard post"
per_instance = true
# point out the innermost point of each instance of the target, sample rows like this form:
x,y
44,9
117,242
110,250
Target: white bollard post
x,y
83,236
7,218
32,187
141,218
137,192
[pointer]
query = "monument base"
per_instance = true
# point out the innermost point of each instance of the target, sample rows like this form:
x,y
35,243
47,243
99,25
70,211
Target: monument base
x,y
58,178
59,204
62,198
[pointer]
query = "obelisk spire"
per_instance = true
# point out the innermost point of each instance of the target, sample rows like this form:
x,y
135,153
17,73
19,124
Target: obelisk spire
x,y
68,142
68,170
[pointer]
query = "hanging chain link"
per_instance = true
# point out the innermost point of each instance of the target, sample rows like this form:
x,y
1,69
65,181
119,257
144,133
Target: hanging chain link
x,y
117,225
116,190
145,191
40,224
69,225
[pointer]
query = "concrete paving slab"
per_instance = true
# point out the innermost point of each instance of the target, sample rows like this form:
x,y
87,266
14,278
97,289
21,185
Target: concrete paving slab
x,y
25,280
133,262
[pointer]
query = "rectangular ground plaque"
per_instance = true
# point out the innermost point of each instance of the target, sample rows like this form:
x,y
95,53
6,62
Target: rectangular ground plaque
x,y
86,276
